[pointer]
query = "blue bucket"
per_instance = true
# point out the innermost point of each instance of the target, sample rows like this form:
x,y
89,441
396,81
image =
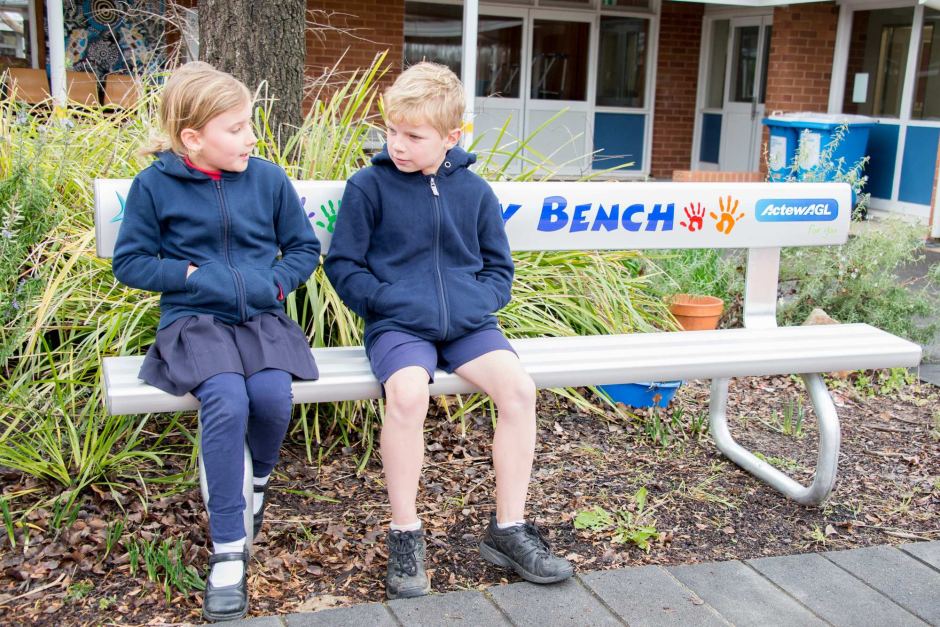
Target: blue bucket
x,y
641,393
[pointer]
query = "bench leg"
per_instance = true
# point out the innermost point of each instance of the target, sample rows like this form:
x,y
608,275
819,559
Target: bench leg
x,y
248,489
829,438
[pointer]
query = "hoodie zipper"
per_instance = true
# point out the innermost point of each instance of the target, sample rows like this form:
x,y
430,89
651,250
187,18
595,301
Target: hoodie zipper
x,y
445,316
226,250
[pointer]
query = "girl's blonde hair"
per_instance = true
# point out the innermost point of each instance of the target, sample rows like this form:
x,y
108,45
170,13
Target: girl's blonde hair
x,y
194,94
426,93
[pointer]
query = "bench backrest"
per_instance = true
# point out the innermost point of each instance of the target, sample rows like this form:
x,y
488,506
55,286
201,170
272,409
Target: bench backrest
x,y
604,216
761,217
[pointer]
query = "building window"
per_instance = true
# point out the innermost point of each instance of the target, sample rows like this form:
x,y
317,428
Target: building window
x,y
927,88
499,56
877,61
433,32
621,76
14,34
559,60
715,94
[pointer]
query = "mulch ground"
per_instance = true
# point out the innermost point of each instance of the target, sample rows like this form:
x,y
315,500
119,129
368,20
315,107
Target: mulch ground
x,y
654,477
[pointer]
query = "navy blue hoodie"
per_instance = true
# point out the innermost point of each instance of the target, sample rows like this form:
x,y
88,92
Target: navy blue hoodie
x,y
427,255
232,229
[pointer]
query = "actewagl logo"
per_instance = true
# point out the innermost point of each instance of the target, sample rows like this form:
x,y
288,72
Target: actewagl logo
x,y
797,210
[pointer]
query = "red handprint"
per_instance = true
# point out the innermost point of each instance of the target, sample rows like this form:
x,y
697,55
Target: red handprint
x,y
695,213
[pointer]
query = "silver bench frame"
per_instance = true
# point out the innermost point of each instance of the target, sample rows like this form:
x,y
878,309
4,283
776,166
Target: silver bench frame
x,y
760,348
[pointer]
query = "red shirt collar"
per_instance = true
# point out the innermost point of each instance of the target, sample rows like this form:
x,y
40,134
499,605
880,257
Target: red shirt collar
x,y
215,175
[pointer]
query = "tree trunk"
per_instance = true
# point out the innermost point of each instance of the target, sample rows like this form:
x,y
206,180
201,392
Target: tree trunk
x,y
257,41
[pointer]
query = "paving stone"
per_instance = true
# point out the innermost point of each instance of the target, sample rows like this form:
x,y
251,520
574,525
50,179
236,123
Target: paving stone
x,y
831,593
650,596
467,608
928,552
372,614
263,621
742,596
563,603
897,575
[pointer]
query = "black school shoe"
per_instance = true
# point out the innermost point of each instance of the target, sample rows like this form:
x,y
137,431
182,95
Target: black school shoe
x,y
259,517
226,602
406,577
525,550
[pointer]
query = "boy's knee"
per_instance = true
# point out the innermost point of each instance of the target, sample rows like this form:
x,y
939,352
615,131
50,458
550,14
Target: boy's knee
x,y
518,394
406,406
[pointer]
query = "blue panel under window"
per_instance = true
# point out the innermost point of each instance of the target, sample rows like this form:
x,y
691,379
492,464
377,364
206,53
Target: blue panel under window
x,y
711,138
883,150
918,164
619,138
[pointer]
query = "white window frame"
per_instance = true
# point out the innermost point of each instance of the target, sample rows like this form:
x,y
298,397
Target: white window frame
x,y
653,14
904,120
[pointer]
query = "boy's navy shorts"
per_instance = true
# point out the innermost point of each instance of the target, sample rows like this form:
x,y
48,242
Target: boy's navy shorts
x,y
393,350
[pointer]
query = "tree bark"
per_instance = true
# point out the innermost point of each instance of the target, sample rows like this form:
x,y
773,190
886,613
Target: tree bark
x,y
258,41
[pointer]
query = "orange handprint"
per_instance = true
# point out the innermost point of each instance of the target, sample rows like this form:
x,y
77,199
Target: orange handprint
x,y
726,222
695,213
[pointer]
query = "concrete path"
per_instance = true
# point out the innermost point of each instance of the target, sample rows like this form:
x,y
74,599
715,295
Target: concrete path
x,y
878,586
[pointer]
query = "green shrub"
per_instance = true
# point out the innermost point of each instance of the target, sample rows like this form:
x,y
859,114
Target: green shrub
x,y
859,282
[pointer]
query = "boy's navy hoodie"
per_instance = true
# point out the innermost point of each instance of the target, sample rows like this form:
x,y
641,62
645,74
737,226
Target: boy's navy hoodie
x,y
427,255
232,229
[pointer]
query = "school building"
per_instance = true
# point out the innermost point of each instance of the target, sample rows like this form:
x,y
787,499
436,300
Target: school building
x,y
659,85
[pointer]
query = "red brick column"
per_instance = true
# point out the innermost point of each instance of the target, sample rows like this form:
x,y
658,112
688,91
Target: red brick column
x,y
801,49
800,68
680,36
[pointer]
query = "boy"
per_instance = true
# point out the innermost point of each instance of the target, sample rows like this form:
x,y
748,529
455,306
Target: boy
x,y
420,252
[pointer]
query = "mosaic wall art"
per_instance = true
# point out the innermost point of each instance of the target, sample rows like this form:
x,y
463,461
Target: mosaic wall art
x,y
104,36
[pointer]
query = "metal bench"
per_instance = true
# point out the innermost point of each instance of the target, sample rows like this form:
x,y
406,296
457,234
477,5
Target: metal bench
x,y
761,217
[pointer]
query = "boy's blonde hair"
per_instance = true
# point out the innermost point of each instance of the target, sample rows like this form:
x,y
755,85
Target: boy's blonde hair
x,y
194,94
426,93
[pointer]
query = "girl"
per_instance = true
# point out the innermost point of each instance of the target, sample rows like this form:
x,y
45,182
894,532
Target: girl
x,y
223,237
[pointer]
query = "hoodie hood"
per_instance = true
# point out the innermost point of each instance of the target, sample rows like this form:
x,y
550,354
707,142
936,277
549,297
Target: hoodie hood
x,y
456,159
173,165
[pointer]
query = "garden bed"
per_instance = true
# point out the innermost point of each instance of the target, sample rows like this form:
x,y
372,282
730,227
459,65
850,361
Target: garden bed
x,y
625,480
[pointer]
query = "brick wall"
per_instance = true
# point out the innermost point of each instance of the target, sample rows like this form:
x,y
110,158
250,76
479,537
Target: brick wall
x,y
680,35
801,49
714,176
370,26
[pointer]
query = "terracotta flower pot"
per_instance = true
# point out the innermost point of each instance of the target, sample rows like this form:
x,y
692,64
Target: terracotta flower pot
x,y
696,313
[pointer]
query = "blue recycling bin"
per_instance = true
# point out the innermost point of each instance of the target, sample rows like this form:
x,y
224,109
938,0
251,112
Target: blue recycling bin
x,y
816,131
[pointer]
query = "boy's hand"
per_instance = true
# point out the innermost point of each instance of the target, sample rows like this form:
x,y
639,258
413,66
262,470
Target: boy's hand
x,y
191,269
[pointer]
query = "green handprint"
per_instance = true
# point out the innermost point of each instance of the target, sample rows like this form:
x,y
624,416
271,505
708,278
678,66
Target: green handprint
x,y
329,214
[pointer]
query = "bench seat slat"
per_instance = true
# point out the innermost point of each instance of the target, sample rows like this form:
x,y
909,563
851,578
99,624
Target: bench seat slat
x,y
579,361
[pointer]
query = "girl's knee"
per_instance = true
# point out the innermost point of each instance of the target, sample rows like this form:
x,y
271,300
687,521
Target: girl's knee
x,y
223,407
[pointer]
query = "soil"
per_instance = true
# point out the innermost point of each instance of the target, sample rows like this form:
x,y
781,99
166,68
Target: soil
x,y
655,474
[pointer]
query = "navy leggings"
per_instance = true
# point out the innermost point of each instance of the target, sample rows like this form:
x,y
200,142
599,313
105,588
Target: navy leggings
x,y
231,408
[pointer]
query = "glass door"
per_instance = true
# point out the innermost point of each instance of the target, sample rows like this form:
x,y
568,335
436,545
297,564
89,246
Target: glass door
x,y
745,88
501,75
557,89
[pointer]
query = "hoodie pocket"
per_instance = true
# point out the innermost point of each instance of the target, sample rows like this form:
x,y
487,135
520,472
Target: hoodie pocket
x,y
260,288
212,287
411,303
471,303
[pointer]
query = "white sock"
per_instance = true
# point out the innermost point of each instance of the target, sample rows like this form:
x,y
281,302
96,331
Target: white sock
x,y
511,523
410,527
227,573
258,500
